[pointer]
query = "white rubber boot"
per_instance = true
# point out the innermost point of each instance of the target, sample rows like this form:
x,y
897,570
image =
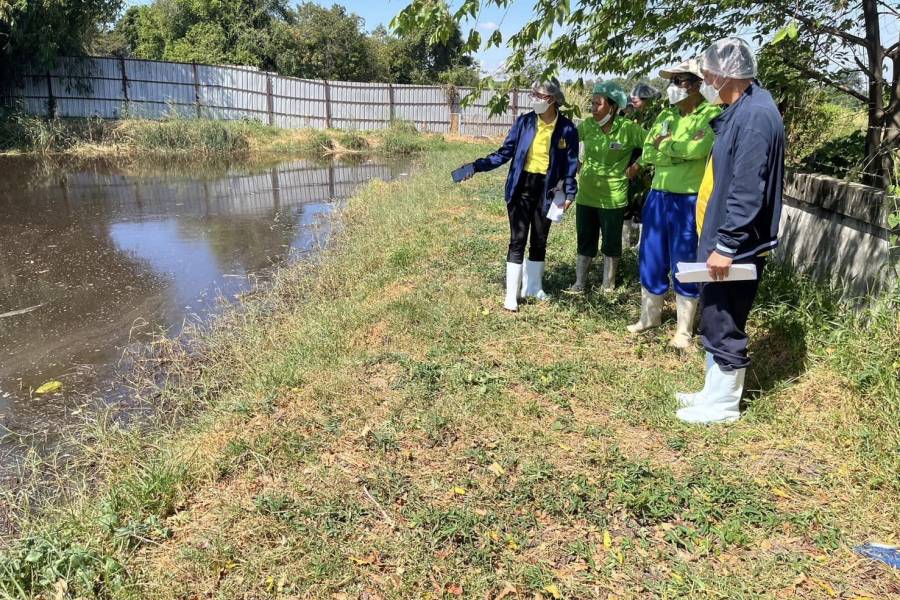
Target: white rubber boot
x,y
651,312
513,280
686,308
533,280
582,266
686,399
610,266
720,403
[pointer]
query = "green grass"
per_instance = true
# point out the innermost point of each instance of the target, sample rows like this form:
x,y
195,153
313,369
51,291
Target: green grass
x,y
193,138
376,424
181,135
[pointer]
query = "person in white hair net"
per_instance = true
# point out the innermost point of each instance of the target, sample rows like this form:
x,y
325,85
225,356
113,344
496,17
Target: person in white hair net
x,y
738,209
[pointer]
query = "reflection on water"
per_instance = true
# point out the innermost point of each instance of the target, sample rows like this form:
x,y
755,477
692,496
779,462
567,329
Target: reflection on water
x,y
104,258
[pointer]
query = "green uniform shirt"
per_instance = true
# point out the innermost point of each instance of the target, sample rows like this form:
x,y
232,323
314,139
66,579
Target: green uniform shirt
x,y
680,159
602,182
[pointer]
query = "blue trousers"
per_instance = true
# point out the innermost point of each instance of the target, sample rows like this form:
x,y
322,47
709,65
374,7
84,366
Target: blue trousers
x,y
724,309
668,236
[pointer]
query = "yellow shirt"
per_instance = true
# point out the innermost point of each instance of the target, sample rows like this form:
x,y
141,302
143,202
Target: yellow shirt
x,y
538,158
703,194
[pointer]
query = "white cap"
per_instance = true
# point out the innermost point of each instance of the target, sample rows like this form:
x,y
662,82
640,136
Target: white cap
x,y
691,65
731,58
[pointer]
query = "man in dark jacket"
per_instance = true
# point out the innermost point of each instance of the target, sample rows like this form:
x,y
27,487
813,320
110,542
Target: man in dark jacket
x,y
738,209
543,148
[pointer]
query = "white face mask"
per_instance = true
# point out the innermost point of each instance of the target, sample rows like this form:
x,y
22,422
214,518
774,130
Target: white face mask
x,y
710,92
540,106
676,94
605,119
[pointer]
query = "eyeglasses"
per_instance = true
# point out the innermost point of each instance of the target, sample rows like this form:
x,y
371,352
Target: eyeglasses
x,y
538,96
683,80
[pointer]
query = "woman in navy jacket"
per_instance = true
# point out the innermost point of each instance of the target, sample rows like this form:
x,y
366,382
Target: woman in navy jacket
x,y
543,148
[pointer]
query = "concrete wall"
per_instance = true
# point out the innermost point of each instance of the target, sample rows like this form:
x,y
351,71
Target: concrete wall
x,y
838,232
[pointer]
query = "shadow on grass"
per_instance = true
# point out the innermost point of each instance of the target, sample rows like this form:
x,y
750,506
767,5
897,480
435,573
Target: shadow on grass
x,y
779,357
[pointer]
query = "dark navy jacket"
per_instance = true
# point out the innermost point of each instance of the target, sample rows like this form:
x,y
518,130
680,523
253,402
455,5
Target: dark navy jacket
x,y
741,219
563,156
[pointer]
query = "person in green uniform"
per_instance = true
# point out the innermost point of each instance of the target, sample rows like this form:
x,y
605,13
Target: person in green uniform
x,y
608,141
677,146
643,107
643,104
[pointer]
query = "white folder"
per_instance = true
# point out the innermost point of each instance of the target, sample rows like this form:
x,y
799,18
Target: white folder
x,y
698,273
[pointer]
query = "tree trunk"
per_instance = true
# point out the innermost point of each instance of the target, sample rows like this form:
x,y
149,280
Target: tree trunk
x,y
874,173
892,125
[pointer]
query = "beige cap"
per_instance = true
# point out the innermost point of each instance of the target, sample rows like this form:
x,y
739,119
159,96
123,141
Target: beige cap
x,y
692,66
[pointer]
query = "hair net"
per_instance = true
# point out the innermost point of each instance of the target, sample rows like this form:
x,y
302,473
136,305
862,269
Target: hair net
x,y
644,91
730,57
550,87
613,92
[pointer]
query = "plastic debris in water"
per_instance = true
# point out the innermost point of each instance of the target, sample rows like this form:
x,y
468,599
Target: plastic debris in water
x,y
49,387
889,555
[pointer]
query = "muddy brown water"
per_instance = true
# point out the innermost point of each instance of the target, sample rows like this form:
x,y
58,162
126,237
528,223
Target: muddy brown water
x,y
93,261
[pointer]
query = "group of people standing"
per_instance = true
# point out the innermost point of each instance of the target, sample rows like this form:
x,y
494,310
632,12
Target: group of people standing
x,y
716,155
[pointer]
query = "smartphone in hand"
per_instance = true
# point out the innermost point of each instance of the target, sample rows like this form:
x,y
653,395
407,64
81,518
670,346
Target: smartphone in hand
x,y
463,173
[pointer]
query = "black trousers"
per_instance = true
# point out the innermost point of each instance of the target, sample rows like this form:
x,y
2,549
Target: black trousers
x,y
723,318
526,214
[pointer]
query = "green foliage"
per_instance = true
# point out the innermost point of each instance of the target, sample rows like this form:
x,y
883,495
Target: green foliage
x,y
40,562
842,157
401,138
622,37
180,134
309,41
323,43
206,31
33,34
352,140
40,135
420,56
318,143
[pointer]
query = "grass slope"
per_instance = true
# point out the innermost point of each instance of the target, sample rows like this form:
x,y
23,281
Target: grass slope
x,y
376,426
183,137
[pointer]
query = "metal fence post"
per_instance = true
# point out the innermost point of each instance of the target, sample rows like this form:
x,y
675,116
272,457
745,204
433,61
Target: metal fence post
x,y
270,103
391,100
196,89
124,78
51,100
327,104
453,103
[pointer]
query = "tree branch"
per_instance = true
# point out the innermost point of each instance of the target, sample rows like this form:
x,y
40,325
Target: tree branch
x,y
848,37
893,52
890,10
863,67
828,81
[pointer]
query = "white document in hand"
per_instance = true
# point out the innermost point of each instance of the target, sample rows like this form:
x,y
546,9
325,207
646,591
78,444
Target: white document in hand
x,y
556,211
697,273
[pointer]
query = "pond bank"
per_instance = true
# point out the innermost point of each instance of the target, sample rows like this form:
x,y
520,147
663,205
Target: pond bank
x,y
191,138
375,425
97,262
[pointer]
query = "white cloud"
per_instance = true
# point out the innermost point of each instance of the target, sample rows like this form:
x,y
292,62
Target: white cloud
x,y
488,26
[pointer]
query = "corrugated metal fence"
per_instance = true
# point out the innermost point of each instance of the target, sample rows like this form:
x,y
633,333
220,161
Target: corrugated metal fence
x,y
114,87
